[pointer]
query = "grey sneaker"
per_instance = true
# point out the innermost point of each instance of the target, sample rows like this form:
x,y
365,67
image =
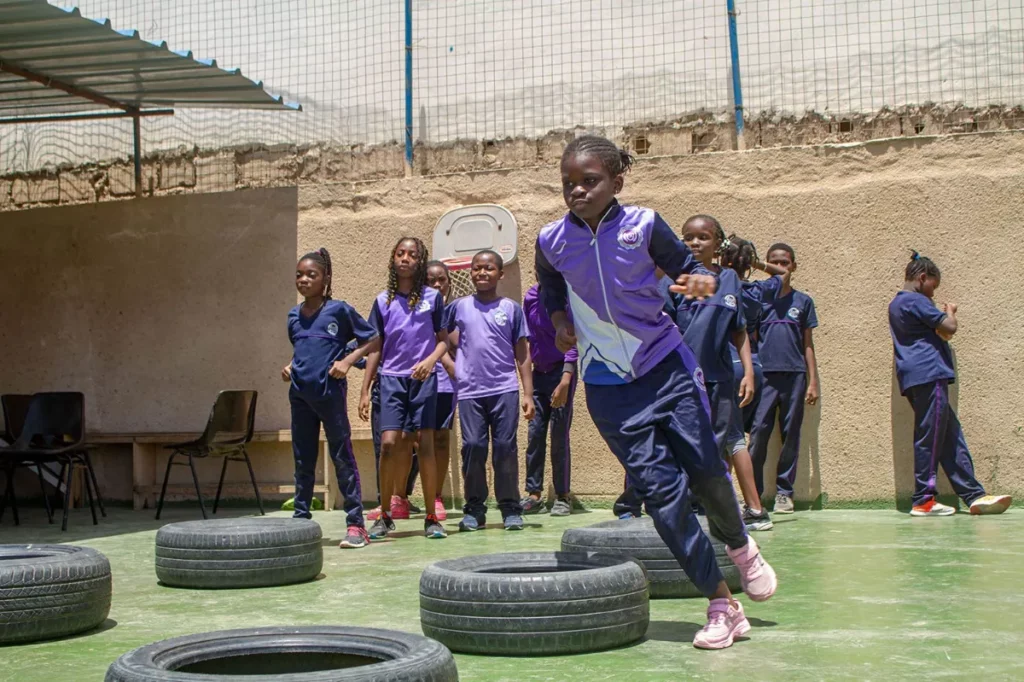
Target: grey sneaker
x,y
755,522
432,529
783,504
561,508
355,538
533,505
513,522
381,527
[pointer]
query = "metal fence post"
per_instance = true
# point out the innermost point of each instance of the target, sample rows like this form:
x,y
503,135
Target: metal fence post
x,y
408,88
734,54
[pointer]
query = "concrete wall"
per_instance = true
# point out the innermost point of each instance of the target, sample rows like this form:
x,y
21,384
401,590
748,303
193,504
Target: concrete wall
x,y
151,306
852,213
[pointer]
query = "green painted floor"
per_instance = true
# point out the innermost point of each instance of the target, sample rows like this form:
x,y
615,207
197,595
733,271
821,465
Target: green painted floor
x,y
864,595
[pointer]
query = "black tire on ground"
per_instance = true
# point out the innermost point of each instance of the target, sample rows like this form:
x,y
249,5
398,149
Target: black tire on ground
x,y
534,603
316,653
638,539
50,591
246,552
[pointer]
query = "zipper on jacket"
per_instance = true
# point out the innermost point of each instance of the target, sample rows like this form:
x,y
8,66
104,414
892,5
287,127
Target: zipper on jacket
x,y
604,293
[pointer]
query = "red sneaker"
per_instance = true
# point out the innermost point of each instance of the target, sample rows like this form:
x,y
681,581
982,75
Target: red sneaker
x,y
399,507
373,514
439,510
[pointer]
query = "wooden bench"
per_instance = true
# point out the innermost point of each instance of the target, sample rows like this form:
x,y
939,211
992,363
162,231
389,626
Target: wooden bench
x,y
145,477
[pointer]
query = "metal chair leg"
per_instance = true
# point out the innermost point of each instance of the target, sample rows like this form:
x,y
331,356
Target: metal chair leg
x,y
3,500
46,498
163,488
220,483
70,468
252,477
95,486
89,495
195,481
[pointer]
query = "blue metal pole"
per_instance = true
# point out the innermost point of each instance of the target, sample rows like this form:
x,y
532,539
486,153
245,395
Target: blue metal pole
x,y
408,87
734,52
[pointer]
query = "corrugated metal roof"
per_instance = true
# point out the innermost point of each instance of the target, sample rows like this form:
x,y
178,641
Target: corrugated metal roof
x,y
61,47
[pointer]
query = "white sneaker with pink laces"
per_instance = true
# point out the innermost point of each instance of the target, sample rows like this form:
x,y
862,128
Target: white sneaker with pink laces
x,y
757,577
726,622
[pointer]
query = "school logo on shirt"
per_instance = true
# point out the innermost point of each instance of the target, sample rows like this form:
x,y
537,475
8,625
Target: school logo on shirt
x,y
631,237
698,378
423,307
500,318
730,301
332,329
794,313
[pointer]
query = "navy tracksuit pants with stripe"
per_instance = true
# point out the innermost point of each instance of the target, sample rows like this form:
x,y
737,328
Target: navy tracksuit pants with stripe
x,y
659,427
559,421
939,441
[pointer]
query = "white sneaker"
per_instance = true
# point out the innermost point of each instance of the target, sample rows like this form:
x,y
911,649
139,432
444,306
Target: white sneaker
x,y
932,508
726,622
991,504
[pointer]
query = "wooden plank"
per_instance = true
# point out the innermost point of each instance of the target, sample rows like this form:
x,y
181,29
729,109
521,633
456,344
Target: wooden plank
x,y
162,438
238,490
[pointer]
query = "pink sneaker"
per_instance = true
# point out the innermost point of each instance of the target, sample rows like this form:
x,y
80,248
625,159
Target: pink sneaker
x,y
757,577
439,511
726,622
399,507
373,514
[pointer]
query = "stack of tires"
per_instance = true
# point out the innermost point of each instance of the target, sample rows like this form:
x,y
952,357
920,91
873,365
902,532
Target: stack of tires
x,y
637,538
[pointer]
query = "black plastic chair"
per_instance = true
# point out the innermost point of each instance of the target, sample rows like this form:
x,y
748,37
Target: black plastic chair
x,y
15,409
53,432
228,431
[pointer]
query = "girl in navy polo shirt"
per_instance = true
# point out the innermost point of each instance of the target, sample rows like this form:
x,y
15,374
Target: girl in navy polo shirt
x,y
715,328
319,329
644,389
924,369
408,318
786,349
740,255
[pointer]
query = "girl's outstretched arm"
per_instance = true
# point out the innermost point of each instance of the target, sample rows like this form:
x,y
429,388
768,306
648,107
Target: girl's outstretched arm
x,y
773,270
372,362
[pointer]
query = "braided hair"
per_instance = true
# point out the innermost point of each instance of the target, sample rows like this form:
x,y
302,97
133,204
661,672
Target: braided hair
x,y
419,278
719,232
921,265
739,254
323,260
616,161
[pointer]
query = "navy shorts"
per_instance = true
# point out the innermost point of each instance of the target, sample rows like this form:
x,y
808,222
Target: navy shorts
x,y
445,412
406,404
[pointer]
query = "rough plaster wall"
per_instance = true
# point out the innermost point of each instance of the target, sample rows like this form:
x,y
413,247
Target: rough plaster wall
x,y
151,307
852,213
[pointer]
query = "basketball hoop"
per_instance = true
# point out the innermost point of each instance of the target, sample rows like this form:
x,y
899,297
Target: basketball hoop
x,y
459,276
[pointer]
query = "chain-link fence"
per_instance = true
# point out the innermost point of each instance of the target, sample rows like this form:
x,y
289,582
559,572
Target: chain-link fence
x,y
488,71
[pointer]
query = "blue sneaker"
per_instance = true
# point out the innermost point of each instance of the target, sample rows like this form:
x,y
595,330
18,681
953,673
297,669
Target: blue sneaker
x,y
626,516
470,523
513,522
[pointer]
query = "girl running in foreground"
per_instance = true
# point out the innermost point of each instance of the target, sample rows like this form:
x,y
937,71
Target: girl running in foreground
x,y
645,391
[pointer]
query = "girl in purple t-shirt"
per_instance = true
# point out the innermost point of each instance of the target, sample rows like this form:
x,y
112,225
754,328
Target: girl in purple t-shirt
x,y
408,318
